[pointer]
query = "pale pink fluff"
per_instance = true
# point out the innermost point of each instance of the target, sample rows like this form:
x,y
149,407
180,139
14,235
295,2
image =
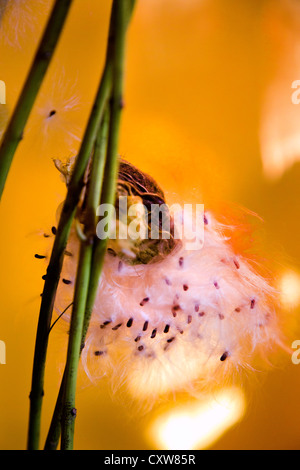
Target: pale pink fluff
x,y
52,128
18,18
217,309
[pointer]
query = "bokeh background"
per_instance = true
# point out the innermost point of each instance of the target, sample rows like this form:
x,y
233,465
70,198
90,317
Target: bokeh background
x,y
208,111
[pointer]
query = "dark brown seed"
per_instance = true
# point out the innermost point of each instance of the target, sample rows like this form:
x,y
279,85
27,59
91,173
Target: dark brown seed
x,y
145,325
170,339
153,334
175,309
99,353
252,304
180,261
66,281
167,327
53,230
224,356
140,348
39,256
137,339
237,264
104,324
185,287
237,309
144,301
117,326
201,314
189,319
129,323
197,308
216,285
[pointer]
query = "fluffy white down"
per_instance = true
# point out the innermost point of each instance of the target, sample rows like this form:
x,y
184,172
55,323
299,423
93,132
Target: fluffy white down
x,y
194,318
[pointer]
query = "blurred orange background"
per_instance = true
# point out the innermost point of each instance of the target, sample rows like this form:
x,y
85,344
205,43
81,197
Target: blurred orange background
x,y
207,100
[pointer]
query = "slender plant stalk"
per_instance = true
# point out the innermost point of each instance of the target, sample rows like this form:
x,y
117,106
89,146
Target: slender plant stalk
x,y
56,259
81,289
14,132
96,177
93,199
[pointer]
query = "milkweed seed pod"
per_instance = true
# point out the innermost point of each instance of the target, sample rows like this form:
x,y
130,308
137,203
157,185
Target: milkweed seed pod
x,y
166,316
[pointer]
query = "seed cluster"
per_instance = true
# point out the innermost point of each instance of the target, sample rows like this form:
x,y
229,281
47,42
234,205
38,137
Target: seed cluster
x,y
196,315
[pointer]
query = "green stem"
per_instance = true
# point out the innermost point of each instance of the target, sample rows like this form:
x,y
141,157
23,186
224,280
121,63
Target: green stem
x,y
96,177
14,132
73,354
56,260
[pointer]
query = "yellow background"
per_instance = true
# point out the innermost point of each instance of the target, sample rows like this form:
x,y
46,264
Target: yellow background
x,y
196,75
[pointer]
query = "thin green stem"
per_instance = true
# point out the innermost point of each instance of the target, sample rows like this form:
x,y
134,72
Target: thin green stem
x,y
14,132
56,259
73,354
96,177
